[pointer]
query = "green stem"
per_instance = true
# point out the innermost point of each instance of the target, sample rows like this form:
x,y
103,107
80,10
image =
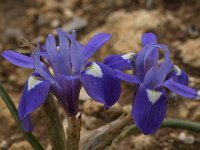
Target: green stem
x,y
167,123
13,110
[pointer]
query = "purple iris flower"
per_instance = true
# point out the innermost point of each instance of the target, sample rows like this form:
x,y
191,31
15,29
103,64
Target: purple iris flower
x,y
151,76
62,69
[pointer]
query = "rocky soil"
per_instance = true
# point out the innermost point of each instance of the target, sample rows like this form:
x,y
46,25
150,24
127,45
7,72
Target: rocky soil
x,y
175,22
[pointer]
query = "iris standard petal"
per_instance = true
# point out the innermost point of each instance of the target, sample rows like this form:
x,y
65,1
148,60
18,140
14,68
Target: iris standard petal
x,y
149,109
64,53
152,53
151,59
142,56
77,58
121,62
127,77
53,54
18,59
95,43
40,67
163,48
180,89
149,38
164,69
150,77
101,83
35,93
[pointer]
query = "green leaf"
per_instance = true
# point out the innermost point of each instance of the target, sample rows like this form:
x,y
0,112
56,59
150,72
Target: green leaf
x,y
13,110
167,123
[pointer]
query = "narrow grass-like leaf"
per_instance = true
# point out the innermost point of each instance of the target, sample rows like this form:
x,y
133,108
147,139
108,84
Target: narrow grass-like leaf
x,y
167,123
13,110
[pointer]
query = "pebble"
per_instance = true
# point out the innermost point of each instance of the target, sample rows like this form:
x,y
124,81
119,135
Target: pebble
x,y
83,95
189,52
76,23
22,145
198,95
143,142
90,107
55,23
185,138
1,47
3,144
193,31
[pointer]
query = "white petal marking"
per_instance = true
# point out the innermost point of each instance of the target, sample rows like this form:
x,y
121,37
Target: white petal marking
x,y
153,95
177,70
94,70
198,95
32,82
127,56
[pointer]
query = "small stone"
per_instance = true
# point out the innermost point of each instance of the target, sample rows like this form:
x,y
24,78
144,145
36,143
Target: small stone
x,y
190,52
41,20
76,23
193,31
68,13
83,95
91,107
12,78
143,142
23,145
13,33
1,47
90,122
3,144
173,135
55,23
186,139
127,108
198,95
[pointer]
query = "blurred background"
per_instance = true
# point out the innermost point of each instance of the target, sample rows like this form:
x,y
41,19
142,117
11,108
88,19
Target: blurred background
x,y
175,22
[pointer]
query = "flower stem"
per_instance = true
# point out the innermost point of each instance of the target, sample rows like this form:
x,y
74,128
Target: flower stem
x,y
50,116
73,132
181,124
167,123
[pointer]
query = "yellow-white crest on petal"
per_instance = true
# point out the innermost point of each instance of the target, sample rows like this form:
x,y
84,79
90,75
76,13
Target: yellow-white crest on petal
x,y
177,70
32,82
128,56
153,95
94,70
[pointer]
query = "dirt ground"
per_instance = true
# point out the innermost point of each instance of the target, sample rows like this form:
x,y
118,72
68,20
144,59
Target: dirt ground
x,y
176,23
